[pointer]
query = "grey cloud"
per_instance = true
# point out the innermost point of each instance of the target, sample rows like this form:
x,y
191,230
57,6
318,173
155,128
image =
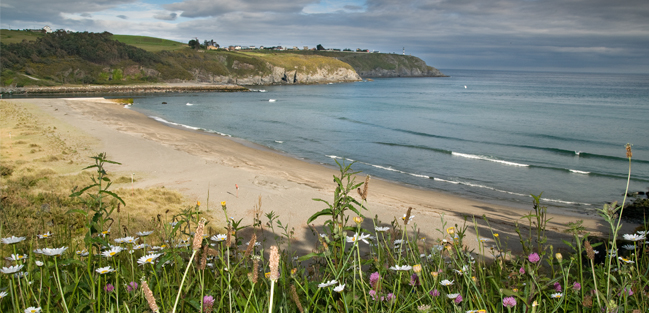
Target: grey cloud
x,y
41,11
88,15
205,8
124,17
353,8
166,17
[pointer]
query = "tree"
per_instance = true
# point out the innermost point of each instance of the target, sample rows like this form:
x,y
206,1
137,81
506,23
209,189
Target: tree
x,y
320,47
194,44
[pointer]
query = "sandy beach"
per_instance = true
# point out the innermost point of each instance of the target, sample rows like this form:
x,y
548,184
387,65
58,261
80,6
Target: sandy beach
x,y
196,163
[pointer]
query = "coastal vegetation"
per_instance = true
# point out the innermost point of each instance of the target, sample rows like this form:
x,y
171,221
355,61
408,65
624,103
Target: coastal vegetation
x,y
73,242
67,58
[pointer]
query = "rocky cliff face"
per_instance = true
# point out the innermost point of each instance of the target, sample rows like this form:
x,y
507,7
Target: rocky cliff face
x,y
370,65
280,76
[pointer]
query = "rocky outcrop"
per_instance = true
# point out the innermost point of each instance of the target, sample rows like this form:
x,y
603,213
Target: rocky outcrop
x,y
281,76
402,72
372,65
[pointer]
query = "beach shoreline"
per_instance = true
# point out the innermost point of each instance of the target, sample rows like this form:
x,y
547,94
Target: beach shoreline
x,y
198,164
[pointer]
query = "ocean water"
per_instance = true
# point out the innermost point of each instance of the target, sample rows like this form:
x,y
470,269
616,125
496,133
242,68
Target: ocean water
x,y
494,136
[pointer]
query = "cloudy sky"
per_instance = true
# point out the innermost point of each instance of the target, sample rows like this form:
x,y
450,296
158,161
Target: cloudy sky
x,y
545,35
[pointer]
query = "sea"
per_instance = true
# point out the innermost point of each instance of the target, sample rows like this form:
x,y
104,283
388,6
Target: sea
x,y
493,136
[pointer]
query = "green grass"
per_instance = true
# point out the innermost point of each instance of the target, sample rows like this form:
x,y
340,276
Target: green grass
x,y
150,44
15,36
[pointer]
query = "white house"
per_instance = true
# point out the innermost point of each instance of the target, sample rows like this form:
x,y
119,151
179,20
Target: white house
x,y
47,29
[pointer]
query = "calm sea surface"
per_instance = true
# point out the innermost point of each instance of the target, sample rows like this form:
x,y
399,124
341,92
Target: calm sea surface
x,y
490,135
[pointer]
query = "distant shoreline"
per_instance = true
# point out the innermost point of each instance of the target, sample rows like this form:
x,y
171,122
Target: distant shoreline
x,y
96,89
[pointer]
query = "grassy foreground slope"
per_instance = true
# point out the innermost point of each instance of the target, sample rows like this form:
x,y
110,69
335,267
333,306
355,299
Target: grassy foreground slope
x,y
150,44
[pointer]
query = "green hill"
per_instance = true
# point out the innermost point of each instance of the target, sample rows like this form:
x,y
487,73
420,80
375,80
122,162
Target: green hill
x,y
8,36
150,44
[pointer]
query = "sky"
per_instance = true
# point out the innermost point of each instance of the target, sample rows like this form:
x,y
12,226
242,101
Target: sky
x,y
607,36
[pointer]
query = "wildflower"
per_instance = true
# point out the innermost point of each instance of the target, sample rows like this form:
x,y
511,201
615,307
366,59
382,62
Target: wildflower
x,y
509,302
148,294
627,261
274,263
113,251
451,231
398,242
576,286
109,288
45,235
12,240
223,203
423,308
559,256
328,284
144,233
414,280
357,237
453,295
374,279
219,237
521,271
401,268
129,239
3,294
458,299
372,294
434,293
629,247
140,246
105,232
557,287
83,253
16,257
339,288
39,263
534,257
104,270
38,251
435,274
54,252
381,229
390,297
358,220
626,291
32,309
556,295
148,259
132,286
407,217
446,282
208,303
483,239
496,235
588,301
417,268
11,269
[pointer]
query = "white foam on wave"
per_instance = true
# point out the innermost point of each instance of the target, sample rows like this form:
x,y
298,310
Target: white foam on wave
x,y
162,120
564,202
189,104
482,157
279,141
579,172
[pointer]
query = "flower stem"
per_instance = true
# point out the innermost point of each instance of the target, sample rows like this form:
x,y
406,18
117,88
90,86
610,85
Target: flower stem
x,y
183,281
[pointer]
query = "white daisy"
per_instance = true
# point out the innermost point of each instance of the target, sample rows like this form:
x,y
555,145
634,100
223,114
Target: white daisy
x,y
149,259
219,237
398,242
483,239
357,237
401,268
3,294
381,229
45,235
173,224
339,288
105,232
627,261
643,232
54,252
140,246
39,263
629,247
446,282
452,295
410,219
38,251
11,240
16,257
328,284
113,251
83,253
556,295
11,269
144,233
32,309
634,237
104,270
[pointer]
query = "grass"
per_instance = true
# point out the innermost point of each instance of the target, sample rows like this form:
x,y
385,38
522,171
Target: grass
x,y
150,44
305,63
103,262
15,36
